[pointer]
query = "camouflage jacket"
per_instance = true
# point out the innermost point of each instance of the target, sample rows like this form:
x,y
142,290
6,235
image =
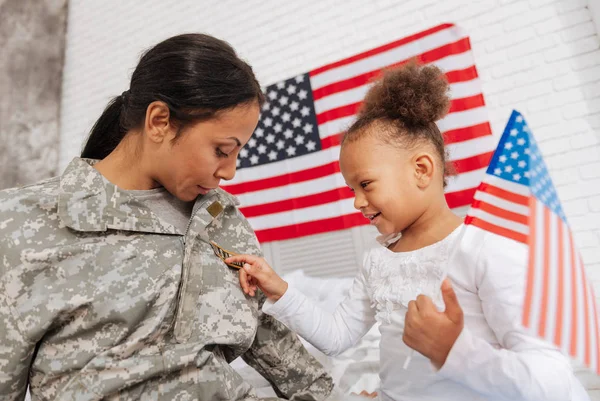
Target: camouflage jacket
x,y
101,299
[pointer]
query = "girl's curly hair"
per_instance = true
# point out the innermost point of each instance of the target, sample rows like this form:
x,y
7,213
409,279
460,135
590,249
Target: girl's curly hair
x,y
408,100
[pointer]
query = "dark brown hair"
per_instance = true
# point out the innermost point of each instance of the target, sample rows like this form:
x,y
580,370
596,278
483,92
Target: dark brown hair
x,y
195,75
407,101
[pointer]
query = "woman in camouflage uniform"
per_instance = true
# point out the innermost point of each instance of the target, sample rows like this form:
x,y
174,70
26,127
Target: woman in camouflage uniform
x,y
109,288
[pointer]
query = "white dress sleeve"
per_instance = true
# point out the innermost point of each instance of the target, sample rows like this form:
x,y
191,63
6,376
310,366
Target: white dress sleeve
x,y
525,367
331,333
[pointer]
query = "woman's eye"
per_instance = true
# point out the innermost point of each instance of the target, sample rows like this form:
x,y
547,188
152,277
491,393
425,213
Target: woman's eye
x,y
220,153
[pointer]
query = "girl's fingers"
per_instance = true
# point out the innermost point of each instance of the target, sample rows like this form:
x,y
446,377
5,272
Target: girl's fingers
x,y
243,259
253,283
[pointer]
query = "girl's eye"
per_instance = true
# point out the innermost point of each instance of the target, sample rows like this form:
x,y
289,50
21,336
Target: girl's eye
x,y
220,153
364,184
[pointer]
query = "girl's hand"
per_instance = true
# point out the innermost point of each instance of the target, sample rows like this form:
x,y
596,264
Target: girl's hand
x,y
257,273
430,332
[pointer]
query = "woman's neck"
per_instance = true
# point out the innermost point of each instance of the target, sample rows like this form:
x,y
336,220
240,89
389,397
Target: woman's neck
x,y
126,168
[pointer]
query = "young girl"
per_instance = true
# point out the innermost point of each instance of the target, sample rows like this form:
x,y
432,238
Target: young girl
x,y
393,159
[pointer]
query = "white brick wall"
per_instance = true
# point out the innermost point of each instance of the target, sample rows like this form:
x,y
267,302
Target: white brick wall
x,y
539,56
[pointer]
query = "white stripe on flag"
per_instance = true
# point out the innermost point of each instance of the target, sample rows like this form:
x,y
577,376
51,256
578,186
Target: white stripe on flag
x,y
335,127
538,268
384,59
498,221
567,293
470,179
518,189
471,147
459,90
463,119
292,191
288,166
593,334
501,203
292,217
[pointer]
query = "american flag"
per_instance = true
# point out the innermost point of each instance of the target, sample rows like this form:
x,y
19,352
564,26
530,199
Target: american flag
x,y
289,182
516,199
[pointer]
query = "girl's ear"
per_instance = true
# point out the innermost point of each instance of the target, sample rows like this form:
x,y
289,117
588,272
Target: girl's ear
x,y
424,166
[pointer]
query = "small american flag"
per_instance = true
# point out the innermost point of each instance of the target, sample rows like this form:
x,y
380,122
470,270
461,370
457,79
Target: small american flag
x,y
516,199
289,182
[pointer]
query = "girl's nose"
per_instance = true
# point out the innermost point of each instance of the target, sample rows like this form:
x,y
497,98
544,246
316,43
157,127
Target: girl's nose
x,y
360,201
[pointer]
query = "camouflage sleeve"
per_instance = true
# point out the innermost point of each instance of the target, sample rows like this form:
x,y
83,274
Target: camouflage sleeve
x,y
279,356
16,352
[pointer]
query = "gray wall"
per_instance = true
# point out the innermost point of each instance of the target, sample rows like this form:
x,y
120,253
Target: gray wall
x,y
32,42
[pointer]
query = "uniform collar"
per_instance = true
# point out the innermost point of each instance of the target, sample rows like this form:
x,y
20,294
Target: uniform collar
x,y
89,202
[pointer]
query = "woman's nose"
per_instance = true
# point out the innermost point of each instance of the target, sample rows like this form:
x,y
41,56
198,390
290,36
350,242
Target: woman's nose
x,y
227,170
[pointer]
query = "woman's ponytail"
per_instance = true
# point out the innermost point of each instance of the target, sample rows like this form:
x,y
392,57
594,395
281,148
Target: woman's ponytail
x,y
107,132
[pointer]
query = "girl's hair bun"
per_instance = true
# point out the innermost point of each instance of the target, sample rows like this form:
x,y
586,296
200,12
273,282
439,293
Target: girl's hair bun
x,y
413,94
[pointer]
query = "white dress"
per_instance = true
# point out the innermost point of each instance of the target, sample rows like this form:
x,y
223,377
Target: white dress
x,y
492,359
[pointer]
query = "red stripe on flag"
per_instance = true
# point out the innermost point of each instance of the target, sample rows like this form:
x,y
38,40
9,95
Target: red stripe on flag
x,y
454,200
575,322
460,198
502,213
532,261
338,112
546,257
586,314
467,133
333,140
458,47
504,194
451,136
464,75
380,49
312,227
297,203
597,335
560,298
466,103
487,226
471,163
348,110
284,179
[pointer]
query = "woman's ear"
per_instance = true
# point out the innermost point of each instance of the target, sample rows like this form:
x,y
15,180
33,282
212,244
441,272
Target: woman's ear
x,y
424,166
158,126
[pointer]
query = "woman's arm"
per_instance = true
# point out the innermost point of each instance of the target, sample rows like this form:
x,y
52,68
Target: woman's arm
x,y
279,356
16,352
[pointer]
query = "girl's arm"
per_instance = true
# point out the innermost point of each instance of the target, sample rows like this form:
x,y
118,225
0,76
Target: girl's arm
x,y
525,367
331,333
